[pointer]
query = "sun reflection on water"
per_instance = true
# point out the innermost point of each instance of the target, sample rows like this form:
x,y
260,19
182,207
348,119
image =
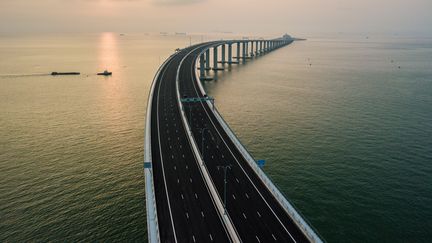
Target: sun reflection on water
x,y
108,52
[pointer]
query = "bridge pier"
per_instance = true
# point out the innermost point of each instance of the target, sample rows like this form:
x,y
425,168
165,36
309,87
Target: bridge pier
x,y
252,49
215,60
229,53
244,51
238,51
223,53
207,60
260,47
202,68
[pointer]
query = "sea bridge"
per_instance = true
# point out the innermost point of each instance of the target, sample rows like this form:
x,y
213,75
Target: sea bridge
x,y
202,185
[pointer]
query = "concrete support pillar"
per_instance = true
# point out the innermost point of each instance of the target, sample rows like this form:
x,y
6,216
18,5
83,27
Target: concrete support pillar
x,y
223,54
260,47
207,59
238,51
215,58
252,49
201,65
230,53
256,49
244,50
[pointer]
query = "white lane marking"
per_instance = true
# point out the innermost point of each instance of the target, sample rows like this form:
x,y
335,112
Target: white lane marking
x,y
259,215
211,238
178,181
175,167
172,156
244,215
257,238
187,215
161,156
196,196
202,214
237,180
247,195
182,196
187,167
274,237
190,179
183,155
233,196
193,238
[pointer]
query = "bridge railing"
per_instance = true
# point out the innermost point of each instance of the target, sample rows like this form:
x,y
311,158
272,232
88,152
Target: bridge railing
x,y
276,192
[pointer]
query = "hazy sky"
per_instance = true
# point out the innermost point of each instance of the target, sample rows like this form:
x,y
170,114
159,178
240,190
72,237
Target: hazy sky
x,y
245,16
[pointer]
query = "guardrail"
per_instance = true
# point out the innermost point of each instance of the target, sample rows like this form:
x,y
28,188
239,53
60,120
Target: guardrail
x,y
296,217
151,209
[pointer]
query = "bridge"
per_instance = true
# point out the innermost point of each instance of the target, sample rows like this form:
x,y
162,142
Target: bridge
x,y
202,185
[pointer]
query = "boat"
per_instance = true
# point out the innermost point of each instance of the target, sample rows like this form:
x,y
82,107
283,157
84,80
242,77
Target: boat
x,y
105,73
64,73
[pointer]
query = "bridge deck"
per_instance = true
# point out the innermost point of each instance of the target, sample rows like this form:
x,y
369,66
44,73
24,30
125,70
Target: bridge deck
x,y
185,208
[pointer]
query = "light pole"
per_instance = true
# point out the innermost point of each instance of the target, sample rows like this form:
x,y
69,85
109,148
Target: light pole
x,y
225,168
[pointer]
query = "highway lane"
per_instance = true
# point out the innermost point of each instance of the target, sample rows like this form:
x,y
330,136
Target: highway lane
x,y
186,211
256,214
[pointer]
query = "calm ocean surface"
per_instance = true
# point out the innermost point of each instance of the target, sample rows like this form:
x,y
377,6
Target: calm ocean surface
x,y
344,123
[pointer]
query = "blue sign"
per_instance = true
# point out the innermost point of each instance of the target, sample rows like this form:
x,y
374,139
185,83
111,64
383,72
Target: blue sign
x,y
147,165
261,163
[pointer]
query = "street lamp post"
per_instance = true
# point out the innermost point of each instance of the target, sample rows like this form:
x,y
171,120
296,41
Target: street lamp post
x,y
225,168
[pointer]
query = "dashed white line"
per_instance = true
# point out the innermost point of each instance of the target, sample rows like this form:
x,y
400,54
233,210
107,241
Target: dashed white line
x,y
190,179
244,215
196,196
237,180
259,215
193,238
274,237
211,238
247,195
233,196
257,238
202,214
182,196
187,215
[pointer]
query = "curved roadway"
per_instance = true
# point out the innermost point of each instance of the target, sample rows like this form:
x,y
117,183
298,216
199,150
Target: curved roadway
x,y
186,209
